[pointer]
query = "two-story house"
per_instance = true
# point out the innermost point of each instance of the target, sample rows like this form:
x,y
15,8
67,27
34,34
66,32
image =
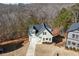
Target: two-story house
x,y
40,33
73,36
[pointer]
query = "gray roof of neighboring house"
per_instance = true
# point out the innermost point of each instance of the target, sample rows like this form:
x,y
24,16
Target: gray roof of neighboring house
x,y
74,26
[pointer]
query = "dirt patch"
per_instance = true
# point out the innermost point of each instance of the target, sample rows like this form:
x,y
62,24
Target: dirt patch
x,y
51,50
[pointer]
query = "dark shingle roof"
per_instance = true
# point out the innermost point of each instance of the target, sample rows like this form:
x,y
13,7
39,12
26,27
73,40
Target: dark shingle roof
x,y
74,26
40,27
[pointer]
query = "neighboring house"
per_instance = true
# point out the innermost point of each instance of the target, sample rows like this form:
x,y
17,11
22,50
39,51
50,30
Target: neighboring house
x,y
40,33
73,36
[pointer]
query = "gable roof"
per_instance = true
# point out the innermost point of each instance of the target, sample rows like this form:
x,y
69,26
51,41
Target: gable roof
x,y
38,27
41,27
74,26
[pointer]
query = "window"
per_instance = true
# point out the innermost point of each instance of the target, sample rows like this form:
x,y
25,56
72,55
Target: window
x,y
69,42
43,39
44,33
46,38
77,45
73,43
49,39
77,36
73,35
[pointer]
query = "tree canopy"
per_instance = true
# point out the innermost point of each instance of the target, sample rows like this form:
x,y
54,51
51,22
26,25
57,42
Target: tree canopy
x,y
64,19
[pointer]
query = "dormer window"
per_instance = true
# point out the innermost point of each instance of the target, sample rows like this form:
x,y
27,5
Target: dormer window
x,y
44,33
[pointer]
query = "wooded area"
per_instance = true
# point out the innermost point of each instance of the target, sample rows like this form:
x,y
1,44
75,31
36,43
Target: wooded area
x,y
15,19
